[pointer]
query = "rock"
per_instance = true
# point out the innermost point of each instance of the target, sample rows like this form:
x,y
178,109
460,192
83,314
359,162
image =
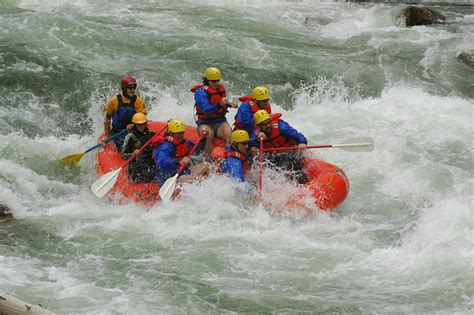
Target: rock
x,y
467,58
420,15
13,306
5,213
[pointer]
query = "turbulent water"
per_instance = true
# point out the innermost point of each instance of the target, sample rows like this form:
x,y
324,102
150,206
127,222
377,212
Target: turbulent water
x,y
402,242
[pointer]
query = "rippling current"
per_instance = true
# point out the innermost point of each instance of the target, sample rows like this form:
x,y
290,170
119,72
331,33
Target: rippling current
x,y
402,242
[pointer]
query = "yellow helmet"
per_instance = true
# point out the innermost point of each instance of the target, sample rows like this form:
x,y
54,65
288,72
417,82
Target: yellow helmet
x,y
176,125
239,136
139,118
260,93
212,74
260,116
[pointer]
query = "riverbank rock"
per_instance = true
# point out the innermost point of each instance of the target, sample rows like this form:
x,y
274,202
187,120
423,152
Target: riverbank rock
x,y
5,213
467,58
420,15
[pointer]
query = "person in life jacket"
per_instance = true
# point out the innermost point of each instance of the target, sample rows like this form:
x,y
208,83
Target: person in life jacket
x,y
173,152
236,166
211,104
120,109
142,168
260,99
276,133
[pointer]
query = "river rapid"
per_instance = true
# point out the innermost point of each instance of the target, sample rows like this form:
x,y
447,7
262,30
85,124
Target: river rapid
x,y
401,243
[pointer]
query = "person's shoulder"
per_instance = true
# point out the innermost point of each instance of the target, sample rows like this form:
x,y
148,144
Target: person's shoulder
x,y
113,99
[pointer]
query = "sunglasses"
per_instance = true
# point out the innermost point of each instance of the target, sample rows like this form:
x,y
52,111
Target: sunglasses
x,y
215,81
131,87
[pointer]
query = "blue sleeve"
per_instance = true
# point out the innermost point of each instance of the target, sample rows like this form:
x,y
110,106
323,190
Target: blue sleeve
x,y
245,116
164,158
202,100
233,167
287,130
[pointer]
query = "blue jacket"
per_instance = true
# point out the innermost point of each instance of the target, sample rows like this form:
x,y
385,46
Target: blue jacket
x,y
233,166
201,97
166,165
285,130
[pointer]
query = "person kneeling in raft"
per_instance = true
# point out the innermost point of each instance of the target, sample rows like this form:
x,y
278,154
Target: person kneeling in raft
x,y
142,169
173,152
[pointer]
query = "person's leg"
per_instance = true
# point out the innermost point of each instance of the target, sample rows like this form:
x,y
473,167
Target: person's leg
x,y
209,146
224,132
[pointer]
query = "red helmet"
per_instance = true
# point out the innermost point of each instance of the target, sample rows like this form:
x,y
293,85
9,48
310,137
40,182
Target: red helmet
x,y
128,81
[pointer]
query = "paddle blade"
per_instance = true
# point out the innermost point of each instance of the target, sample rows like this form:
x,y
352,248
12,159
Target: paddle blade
x,y
72,159
364,144
105,183
166,191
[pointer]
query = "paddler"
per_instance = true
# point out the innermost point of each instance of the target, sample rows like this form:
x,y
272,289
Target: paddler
x,y
142,168
276,133
173,152
120,109
260,99
211,104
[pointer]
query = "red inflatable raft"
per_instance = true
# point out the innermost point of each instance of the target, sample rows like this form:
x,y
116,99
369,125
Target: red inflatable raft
x,y
328,185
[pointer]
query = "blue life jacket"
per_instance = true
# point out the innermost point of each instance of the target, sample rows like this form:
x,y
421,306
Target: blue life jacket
x,y
124,114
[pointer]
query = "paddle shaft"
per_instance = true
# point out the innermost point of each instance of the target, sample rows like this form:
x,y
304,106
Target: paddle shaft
x,y
260,175
106,140
298,148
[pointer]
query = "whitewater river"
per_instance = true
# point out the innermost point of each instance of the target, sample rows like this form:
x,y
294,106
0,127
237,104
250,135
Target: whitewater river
x,y
403,240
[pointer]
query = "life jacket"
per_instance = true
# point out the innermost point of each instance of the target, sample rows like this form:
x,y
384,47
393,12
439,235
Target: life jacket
x,y
253,106
276,139
182,148
215,97
124,113
241,157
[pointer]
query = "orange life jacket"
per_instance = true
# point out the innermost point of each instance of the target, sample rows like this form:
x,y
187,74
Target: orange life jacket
x,y
215,97
182,148
276,139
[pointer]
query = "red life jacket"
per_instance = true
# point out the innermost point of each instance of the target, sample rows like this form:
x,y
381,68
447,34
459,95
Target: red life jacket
x,y
182,148
241,157
215,97
276,139
253,106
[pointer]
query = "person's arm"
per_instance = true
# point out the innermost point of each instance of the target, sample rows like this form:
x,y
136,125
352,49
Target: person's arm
x,y
164,160
110,108
127,147
287,130
202,101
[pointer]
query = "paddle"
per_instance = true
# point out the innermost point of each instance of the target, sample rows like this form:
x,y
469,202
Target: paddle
x,y
107,181
260,175
166,191
73,159
365,144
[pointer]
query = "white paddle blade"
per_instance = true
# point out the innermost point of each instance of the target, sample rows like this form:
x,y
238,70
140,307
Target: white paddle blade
x,y
365,144
166,191
105,183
